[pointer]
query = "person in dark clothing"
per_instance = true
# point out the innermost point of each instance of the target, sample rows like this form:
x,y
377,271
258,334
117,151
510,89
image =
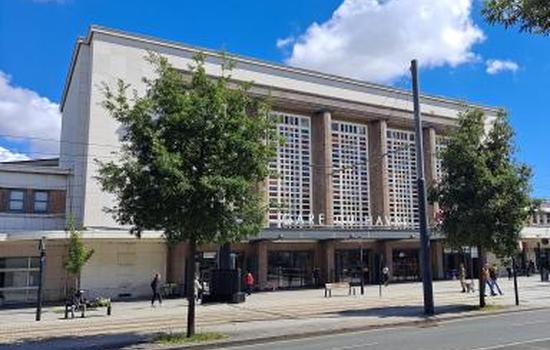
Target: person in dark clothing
x,y
155,287
509,270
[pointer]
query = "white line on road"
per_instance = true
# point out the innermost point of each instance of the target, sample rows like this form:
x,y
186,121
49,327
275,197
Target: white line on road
x,y
529,323
353,346
500,346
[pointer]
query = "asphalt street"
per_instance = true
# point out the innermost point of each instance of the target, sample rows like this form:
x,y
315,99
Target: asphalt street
x,y
517,331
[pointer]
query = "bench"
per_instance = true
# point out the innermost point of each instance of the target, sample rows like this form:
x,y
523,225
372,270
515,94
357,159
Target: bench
x,y
338,285
79,303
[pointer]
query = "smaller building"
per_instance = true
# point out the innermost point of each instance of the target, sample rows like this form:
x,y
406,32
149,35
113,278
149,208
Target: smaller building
x,y
535,239
32,205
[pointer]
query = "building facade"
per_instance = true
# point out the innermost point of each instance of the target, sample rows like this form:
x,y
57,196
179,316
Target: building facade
x,y
343,203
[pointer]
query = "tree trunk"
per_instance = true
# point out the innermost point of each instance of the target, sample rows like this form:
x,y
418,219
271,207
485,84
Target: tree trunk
x,y
191,271
481,265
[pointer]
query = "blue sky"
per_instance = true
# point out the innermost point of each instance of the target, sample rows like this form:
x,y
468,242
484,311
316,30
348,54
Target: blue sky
x,y
37,39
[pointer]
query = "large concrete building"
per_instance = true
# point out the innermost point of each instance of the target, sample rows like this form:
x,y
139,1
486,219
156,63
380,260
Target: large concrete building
x,y
345,184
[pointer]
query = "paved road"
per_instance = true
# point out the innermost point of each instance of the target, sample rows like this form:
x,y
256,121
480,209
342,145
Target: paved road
x,y
523,330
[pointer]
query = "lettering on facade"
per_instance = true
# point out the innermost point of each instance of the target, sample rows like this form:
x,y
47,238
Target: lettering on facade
x,y
350,221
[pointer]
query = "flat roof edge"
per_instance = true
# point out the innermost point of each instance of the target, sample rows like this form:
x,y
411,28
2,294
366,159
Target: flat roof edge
x,y
258,62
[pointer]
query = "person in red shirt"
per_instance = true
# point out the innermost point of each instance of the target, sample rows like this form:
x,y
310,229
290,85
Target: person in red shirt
x,y
249,282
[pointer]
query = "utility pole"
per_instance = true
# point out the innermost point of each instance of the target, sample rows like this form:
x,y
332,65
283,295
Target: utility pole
x,y
40,294
425,255
516,292
362,267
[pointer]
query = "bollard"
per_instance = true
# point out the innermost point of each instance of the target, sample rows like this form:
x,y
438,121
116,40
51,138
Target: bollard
x,y
109,310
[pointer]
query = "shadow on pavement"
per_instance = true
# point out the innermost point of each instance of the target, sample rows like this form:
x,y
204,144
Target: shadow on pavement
x,y
92,342
406,311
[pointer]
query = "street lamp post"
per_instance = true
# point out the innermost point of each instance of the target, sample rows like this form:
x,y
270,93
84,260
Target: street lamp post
x,y
423,220
362,267
40,294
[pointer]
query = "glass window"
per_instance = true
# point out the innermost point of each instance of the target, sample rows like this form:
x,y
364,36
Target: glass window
x,y
16,200
18,279
40,201
14,263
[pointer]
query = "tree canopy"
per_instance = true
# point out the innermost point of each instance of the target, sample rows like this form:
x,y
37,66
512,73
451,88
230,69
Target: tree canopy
x,y
194,149
484,194
531,16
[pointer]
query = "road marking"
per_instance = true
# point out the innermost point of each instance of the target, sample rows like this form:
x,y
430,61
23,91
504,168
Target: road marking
x,y
353,346
500,346
529,323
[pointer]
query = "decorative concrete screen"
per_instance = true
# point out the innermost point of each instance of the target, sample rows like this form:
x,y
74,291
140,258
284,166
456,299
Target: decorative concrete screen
x,y
441,143
289,189
403,199
350,178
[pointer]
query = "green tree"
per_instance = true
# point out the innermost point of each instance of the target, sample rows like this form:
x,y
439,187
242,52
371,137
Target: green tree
x,y
532,16
483,195
78,254
194,150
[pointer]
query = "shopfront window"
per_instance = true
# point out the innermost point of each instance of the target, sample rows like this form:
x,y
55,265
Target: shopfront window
x,y
290,269
18,279
349,267
405,265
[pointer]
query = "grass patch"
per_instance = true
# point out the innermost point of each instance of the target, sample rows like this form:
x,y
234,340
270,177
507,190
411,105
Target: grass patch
x,y
489,308
181,338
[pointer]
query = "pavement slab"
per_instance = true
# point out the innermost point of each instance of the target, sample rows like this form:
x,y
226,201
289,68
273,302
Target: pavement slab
x,y
263,315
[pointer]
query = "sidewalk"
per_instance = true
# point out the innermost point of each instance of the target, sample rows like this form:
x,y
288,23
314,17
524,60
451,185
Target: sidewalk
x,y
264,315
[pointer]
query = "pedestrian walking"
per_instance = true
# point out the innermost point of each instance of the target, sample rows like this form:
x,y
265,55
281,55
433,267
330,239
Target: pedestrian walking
x,y
493,273
487,278
531,266
386,275
509,270
462,277
249,281
155,287
198,290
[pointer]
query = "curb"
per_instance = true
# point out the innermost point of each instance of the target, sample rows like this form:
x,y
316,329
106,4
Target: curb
x,y
427,321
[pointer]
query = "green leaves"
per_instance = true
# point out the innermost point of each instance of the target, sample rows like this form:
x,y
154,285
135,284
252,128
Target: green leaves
x,y
194,150
484,193
531,15
78,255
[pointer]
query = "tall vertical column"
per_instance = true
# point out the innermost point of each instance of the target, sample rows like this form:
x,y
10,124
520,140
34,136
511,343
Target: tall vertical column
x,y
322,165
430,161
262,264
388,256
438,256
378,169
327,268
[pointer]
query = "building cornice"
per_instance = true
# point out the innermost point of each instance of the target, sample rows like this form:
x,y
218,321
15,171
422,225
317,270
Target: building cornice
x,y
349,83
26,169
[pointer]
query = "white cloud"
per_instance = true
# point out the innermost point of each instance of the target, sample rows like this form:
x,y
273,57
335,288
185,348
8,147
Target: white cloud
x,y
28,118
284,42
376,39
8,156
498,66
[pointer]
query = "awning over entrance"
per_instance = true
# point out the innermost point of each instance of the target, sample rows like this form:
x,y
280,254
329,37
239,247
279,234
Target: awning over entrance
x,y
339,233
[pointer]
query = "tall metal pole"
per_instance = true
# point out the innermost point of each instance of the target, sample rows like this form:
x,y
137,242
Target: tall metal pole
x,y
362,267
516,292
421,188
40,294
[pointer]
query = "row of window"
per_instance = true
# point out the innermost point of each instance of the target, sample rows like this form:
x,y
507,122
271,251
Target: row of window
x,y
289,188
17,201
